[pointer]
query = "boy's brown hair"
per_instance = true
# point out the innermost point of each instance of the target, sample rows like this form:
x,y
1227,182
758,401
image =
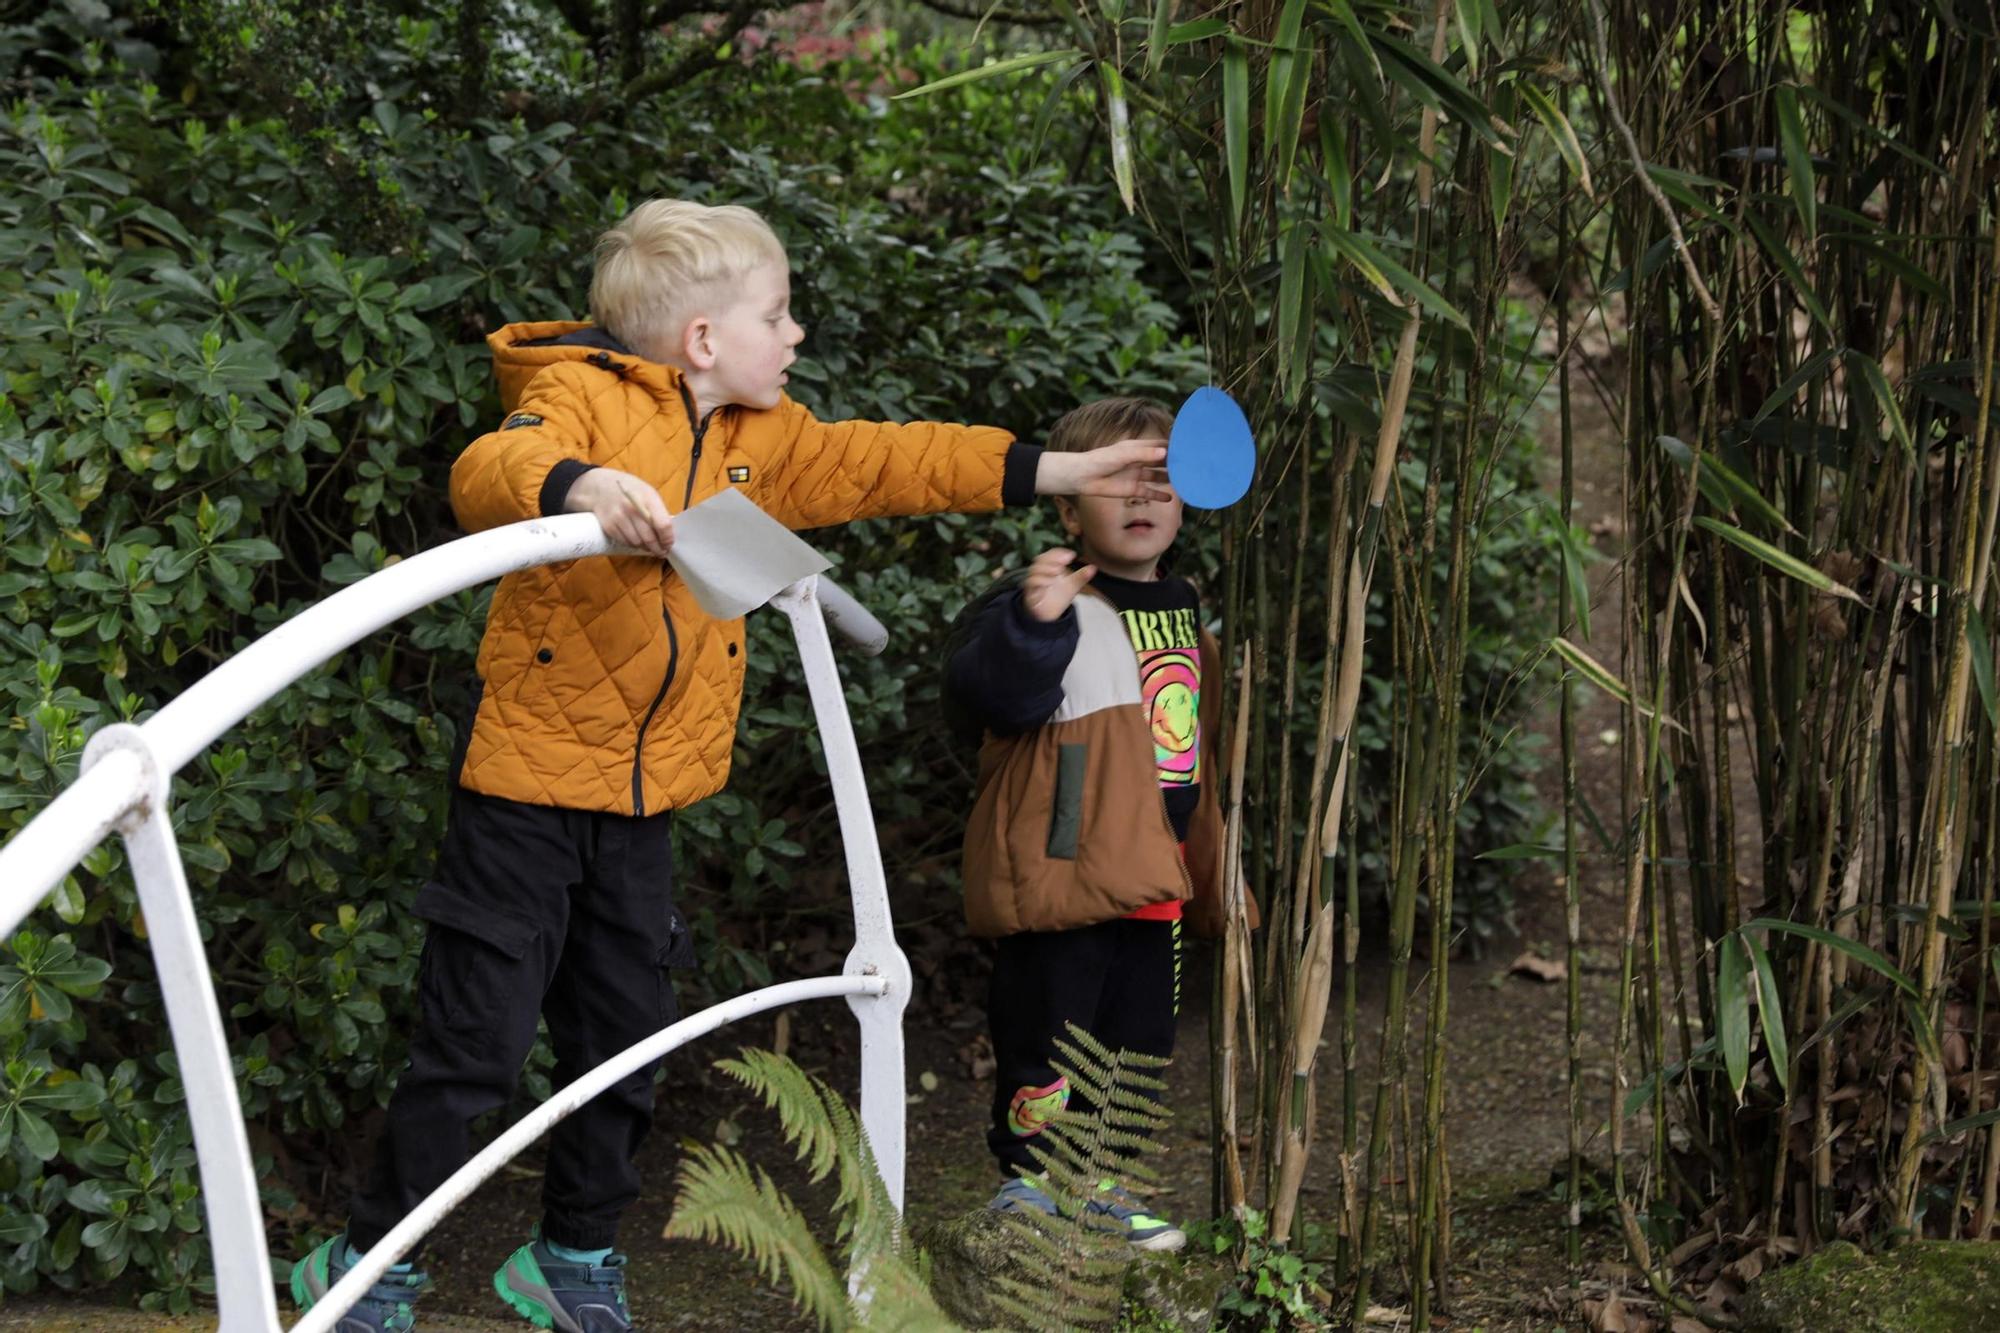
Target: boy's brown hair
x,y
1107,421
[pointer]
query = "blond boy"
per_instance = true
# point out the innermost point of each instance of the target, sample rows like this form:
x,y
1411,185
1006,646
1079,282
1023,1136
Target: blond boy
x,y
607,699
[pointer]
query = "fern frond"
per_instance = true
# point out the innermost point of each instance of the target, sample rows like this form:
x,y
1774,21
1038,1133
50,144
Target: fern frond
x,y
722,1200
797,1098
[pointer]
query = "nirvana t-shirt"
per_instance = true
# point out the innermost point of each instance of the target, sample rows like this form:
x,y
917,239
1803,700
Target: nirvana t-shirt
x,y
1163,619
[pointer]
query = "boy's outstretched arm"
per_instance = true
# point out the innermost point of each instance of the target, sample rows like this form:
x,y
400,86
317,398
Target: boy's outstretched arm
x,y
835,472
1006,669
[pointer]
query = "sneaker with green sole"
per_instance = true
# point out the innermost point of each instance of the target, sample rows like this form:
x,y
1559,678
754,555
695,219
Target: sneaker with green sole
x,y
567,1297
386,1307
1119,1211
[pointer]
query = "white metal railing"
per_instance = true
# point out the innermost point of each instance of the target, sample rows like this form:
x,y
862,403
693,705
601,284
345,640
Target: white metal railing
x,y
124,788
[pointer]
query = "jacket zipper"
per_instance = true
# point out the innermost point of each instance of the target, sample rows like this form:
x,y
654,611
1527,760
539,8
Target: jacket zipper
x,y
700,428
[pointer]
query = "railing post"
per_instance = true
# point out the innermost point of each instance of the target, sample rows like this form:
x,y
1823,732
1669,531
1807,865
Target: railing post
x,y
875,951
243,1288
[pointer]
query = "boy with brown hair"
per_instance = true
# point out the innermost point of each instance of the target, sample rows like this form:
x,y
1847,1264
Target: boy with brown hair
x,y
607,699
1096,828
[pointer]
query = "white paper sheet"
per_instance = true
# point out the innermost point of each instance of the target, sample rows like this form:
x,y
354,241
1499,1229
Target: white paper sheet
x,y
734,557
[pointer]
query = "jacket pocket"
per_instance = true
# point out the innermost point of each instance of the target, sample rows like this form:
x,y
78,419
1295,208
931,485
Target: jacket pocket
x,y
1066,814
475,960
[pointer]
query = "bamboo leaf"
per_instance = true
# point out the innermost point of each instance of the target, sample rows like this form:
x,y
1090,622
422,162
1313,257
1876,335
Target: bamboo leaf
x,y
1832,105
1012,65
1982,663
1798,159
1808,371
1342,241
1732,1012
1236,126
1343,14
1560,130
1854,949
1500,166
1723,486
1434,86
1283,129
1469,17
1788,263
1353,243
1782,561
1284,56
1120,116
1196,30
1958,1127
1057,93
1156,35
1521,851
1771,1013
1878,388
1333,161
1591,670
1574,555
1293,282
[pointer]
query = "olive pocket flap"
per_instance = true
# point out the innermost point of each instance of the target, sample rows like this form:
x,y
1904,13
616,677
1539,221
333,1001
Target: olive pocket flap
x,y
1066,819
442,906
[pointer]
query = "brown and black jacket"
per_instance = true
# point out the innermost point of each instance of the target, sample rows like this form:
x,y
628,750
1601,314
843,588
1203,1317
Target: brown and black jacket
x,y
1068,827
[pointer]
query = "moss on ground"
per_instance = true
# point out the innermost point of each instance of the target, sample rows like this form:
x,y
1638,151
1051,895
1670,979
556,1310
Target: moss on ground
x,y
1930,1286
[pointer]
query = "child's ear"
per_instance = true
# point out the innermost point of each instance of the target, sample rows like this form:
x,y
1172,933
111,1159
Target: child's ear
x,y
1066,511
697,345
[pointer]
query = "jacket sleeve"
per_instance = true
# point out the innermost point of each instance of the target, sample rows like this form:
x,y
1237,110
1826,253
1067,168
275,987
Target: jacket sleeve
x,y
829,472
525,468
1005,669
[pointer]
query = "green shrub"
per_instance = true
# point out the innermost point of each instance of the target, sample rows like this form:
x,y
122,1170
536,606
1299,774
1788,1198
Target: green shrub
x,y
244,348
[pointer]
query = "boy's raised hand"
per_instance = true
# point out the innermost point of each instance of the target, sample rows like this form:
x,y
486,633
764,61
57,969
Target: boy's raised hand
x,y
1051,585
1122,470
632,513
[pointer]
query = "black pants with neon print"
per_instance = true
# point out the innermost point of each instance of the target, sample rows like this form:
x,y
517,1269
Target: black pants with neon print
x,y
1117,980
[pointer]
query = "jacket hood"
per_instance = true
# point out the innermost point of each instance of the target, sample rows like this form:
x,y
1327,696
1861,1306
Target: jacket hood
x,y
521,351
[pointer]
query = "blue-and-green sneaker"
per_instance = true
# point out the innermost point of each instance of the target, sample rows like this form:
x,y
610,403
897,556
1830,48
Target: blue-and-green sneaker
x,y
1120,1211
568,1297
386,1307
1023,1194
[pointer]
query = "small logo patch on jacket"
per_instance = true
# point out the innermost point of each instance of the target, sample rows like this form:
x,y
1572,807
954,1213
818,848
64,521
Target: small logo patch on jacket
x,y
739,475
519,420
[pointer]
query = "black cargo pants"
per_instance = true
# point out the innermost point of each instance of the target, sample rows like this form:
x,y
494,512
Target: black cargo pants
x,y
566,914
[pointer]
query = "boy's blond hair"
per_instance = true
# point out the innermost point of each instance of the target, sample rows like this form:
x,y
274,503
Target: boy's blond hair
x,y
1107,421
666,260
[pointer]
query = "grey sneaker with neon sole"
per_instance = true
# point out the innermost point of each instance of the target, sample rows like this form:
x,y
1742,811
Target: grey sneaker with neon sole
x,y
386,1307
566,1297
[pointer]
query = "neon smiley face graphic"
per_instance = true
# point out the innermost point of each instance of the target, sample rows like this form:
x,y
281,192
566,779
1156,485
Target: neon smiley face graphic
x,y
1169,687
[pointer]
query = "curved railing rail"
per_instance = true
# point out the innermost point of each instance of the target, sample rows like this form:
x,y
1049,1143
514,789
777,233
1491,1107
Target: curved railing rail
x,y
124,789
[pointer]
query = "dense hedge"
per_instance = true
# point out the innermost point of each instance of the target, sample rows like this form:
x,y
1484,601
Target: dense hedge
x,y
242,349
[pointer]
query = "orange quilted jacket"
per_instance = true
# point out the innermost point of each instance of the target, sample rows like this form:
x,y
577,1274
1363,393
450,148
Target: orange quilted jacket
x,y
603,685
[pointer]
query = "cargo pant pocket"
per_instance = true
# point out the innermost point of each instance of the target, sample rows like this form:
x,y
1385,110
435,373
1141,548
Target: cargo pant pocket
x,y
476,966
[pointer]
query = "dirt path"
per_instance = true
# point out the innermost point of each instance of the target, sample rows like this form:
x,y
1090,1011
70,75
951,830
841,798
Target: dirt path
x,y
1507,1106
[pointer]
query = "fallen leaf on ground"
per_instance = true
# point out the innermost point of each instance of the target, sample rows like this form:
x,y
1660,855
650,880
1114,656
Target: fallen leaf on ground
x,y
1541,969
1607,1316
